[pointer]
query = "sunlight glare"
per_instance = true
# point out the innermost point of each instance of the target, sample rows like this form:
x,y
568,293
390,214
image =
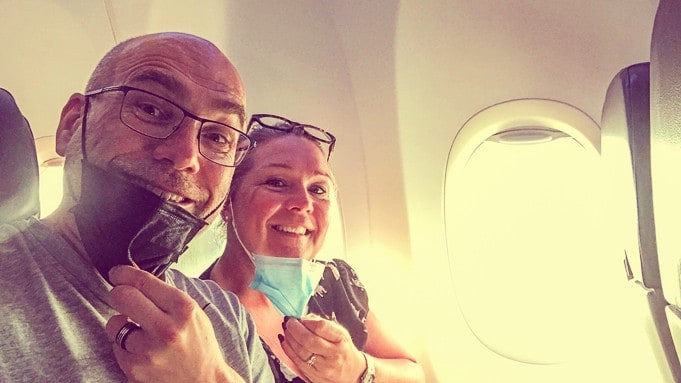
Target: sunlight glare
x,y
527,252
50,190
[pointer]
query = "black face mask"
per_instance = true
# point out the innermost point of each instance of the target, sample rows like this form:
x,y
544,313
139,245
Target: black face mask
x,y
123,224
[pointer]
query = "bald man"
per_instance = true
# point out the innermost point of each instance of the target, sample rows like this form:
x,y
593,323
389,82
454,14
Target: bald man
x,y
86,294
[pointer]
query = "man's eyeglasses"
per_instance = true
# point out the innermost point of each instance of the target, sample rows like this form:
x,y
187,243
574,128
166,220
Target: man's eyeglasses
x,y
158,117
272,121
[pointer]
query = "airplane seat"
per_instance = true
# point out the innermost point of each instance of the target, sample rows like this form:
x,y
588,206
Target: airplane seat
x,y
625,151
19,193
665,154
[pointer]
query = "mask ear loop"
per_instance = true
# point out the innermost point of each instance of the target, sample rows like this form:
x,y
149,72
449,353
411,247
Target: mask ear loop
x,y
86,108
217,208
236,232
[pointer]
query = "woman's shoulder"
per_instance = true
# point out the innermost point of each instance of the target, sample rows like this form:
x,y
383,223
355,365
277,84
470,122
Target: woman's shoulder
x,y
337,266
343,272
339,263
340,296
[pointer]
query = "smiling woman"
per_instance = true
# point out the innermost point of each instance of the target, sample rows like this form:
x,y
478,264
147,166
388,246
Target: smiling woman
x,y
277,218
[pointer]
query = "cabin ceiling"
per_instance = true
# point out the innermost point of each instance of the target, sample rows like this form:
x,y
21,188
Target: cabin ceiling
x,y
393,80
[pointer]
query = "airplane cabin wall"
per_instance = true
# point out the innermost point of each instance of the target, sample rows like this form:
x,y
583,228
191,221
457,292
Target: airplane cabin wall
x,y
454,59
394,81
451,60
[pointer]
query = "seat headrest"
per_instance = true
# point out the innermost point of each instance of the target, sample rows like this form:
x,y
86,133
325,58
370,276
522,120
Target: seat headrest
x,y
665,143
19,192
625,151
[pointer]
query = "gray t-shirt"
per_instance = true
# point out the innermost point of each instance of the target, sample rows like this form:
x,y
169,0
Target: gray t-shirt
x,y
53,314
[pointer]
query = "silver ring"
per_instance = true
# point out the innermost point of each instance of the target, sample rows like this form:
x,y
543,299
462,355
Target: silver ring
x,y
310,361
124,332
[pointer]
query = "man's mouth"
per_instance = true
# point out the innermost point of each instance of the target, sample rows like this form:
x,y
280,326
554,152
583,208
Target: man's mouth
x,y
166,195
161,193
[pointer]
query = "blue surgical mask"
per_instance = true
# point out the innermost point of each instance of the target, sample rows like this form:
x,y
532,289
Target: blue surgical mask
x,y
287,282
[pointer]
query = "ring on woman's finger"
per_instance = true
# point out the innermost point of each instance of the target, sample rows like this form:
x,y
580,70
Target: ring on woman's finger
x,y
310,361
124,332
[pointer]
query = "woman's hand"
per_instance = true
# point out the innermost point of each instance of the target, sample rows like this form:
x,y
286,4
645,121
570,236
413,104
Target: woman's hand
x,y
322,350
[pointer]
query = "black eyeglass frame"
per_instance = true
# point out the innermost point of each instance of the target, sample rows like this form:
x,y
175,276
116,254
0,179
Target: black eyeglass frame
x,y
126,88
291,126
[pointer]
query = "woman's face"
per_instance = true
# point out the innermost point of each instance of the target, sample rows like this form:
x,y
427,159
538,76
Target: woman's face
x,y
281,207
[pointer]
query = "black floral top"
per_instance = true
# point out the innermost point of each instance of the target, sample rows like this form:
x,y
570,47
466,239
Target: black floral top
x,y
340,297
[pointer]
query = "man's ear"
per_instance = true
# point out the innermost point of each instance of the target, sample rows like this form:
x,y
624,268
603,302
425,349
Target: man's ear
x,y
69,121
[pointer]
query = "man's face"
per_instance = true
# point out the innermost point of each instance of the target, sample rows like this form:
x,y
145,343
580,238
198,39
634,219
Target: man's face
x,y
198,79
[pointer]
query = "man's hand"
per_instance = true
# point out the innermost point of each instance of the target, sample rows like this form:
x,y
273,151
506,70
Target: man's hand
x,y
175,343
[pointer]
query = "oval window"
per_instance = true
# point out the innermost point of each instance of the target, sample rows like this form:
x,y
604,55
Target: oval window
x,y
523,225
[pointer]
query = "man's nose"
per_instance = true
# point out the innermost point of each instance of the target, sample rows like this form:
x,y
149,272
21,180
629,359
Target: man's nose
x,y
181,148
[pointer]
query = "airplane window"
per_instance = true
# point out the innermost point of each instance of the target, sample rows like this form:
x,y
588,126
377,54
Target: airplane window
x,y
525,237
529,219
50,189
50,172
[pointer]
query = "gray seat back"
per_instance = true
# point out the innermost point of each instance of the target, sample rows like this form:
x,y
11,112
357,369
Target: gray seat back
x,y
19,193
625,151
